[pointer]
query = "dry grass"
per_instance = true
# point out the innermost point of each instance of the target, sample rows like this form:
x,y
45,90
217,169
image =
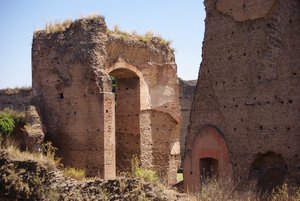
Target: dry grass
x,y
142,173
58,26
144,38
226,191
15,90
54,27
24,155
285,193
74,173
46,159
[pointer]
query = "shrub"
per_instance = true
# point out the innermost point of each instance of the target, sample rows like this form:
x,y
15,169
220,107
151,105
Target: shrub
x,y
7,125
74,173
18,117
142,173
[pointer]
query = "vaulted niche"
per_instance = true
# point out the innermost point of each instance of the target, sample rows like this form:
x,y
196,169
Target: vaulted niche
x,y
126,86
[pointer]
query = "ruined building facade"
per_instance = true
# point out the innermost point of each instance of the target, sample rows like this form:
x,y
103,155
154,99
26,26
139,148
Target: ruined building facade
x,y
186,95
245,115
98,125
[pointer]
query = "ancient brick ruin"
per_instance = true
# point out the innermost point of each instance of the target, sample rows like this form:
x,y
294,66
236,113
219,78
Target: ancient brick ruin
x,y
186,95
245,115
95,130
16,99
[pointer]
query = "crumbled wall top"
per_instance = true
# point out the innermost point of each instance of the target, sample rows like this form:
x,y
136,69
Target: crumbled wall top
x,y
93,32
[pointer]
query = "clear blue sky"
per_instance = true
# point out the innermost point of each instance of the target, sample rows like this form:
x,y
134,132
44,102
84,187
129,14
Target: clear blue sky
x,y
180,21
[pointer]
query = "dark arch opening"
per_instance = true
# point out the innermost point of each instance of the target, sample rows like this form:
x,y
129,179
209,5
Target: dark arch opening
x,y
269,171
208,169
126,86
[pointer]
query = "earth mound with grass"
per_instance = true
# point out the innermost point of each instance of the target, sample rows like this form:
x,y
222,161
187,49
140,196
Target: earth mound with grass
x,y
27,176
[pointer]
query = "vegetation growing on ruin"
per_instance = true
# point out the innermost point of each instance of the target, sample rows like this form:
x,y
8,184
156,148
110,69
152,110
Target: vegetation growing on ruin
x,y
226,191
74,173
54,27
144,38
142,173
40,170
9,119
7,125
15,90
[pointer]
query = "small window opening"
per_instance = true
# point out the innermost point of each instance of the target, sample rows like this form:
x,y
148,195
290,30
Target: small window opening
x,y
61,96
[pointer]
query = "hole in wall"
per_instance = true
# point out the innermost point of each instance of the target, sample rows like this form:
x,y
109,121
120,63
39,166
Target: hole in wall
x,y
61,96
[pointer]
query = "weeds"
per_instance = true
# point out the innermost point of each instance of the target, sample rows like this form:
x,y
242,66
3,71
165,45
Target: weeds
x,y
58,26
215,190
49,152
9,120
283,194
142,173
74,173
143,38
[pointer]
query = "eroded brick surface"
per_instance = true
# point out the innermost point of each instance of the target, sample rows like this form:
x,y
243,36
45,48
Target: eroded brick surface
x,y
248,88
92,129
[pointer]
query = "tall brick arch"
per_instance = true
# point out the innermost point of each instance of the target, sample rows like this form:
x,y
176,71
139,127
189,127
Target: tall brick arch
x,y
78,107
209,147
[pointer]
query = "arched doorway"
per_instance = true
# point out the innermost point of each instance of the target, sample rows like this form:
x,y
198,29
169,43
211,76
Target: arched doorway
x,y
208,159
127,99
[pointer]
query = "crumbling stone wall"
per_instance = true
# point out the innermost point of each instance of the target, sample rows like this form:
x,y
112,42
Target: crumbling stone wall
x,y
186,95
248,90
16,99
92,128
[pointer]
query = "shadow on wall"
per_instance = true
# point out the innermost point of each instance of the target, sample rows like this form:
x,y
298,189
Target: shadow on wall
x,y
268,170
127,93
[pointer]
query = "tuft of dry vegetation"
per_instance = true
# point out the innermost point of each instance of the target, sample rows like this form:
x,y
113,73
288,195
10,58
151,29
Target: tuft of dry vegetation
x,y
46,159
226,191
142,173
54,27
146,38
74,173
16,90
58,26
